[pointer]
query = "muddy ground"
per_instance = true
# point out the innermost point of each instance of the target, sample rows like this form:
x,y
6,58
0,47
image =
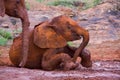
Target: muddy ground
x,y
101,70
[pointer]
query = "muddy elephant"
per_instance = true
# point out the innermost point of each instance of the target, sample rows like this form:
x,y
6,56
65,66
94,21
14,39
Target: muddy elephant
x,y
66,28
48,47
16,8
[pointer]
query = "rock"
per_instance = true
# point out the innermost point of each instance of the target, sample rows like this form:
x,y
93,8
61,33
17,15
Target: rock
x,y
13,21
4,25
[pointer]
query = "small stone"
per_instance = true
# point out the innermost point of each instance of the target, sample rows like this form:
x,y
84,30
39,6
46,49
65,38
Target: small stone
x,y
5,25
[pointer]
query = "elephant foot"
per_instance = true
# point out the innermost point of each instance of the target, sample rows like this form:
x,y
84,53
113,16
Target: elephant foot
x,y
87,63
22,63
69,65
86,59
58,61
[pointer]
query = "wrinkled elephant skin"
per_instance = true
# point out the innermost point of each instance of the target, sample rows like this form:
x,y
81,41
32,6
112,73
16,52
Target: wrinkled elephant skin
x,y
48,47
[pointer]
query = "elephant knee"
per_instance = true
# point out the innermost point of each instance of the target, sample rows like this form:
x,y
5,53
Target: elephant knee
x,y
65,57
69,65
46,66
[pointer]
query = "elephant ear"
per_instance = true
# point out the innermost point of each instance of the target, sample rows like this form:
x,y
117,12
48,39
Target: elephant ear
x,y
2,8
46,37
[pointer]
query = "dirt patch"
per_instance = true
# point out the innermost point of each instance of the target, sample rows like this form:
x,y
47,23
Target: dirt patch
x,y
109,50
101,70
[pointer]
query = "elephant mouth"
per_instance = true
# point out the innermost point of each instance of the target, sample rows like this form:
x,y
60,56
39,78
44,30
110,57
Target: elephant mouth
x,y
74,37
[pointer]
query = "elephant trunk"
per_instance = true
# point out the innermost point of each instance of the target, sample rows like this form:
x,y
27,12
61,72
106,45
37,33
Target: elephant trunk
x,y
25,36
84,33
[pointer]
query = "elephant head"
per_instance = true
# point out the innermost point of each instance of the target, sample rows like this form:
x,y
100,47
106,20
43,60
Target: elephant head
x,y
56,33
12,8
46,37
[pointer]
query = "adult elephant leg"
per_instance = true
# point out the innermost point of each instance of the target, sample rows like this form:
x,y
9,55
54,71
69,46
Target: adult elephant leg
x,y
2,8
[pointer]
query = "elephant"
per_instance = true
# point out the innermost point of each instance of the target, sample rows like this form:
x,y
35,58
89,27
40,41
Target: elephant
x,y
48,47
68,30
41,58
16,8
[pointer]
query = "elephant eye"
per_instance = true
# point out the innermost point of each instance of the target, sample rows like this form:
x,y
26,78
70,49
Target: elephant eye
x,y
18,1
69,26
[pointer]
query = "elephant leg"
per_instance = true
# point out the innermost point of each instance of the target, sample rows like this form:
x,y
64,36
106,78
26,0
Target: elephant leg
x,y
51,61
2,8
85,56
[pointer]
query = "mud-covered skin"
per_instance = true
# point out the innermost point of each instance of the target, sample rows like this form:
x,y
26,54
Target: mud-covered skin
x,y
56,59
48,45
42,58
60,30
71,31
85,55
16,8
57,32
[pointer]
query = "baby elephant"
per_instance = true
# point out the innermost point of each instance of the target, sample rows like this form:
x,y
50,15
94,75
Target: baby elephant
x,y
48,47
42,58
